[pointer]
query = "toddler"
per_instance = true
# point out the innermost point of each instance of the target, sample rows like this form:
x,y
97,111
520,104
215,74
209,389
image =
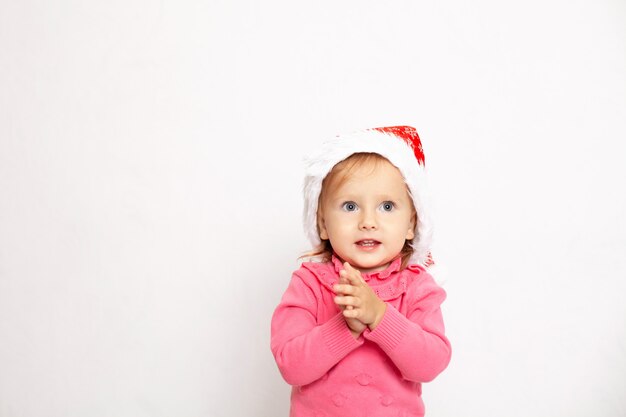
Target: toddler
x,y
359,328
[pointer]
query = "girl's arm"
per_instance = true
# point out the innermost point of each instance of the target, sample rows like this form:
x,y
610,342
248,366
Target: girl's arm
x,y
303,349
416,343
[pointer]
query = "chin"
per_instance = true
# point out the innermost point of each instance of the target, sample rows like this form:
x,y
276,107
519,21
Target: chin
x,y
372,267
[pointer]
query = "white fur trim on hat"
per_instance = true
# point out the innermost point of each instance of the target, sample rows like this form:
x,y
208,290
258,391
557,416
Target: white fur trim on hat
x,y
401,146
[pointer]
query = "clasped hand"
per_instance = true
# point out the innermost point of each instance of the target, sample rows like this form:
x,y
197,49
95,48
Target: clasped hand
x,y
360,305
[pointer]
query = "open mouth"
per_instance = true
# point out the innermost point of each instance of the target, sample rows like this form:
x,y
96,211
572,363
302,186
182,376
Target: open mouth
x,y
367,243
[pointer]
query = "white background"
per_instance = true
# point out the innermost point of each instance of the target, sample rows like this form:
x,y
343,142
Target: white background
x,y
150,174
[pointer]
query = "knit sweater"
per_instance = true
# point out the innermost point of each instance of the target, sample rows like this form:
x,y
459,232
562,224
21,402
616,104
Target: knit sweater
x,y
378,374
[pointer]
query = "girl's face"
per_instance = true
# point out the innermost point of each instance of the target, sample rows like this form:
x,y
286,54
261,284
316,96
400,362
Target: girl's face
x,y
368,217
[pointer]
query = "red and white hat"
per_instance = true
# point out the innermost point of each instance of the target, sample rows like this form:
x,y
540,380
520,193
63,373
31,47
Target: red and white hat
x,y
401,145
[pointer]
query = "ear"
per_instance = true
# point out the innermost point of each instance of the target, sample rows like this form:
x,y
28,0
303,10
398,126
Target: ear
x,y
410,234
321,226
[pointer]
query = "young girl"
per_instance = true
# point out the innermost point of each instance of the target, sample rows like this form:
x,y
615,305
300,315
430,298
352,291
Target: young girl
x,y
358,331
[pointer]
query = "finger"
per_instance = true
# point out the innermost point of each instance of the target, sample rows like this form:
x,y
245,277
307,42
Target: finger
x,y
347,301
352,313
344,289
351,275
344,277
343,281
354,278
349,270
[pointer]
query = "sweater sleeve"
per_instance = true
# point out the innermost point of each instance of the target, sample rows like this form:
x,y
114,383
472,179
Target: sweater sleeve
x,y
416,343
303,349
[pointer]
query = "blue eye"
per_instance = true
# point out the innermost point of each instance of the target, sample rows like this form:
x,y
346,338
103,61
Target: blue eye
x,y
349,206
387,206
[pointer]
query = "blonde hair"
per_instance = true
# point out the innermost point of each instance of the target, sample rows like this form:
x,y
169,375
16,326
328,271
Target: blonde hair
x,y
337,176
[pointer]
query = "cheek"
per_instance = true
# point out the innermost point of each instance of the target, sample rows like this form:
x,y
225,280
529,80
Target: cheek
x,y
407,229
338,226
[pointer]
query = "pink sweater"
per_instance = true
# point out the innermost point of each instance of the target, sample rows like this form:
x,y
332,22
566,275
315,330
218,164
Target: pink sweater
x,y
379,374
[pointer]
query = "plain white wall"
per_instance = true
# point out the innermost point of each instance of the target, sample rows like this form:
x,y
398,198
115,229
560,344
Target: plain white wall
x,y
150,172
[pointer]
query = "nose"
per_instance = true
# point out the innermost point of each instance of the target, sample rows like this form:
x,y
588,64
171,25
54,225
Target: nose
x,y
368,220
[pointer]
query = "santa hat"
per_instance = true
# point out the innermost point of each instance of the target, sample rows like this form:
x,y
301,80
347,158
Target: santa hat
x,y
400,145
